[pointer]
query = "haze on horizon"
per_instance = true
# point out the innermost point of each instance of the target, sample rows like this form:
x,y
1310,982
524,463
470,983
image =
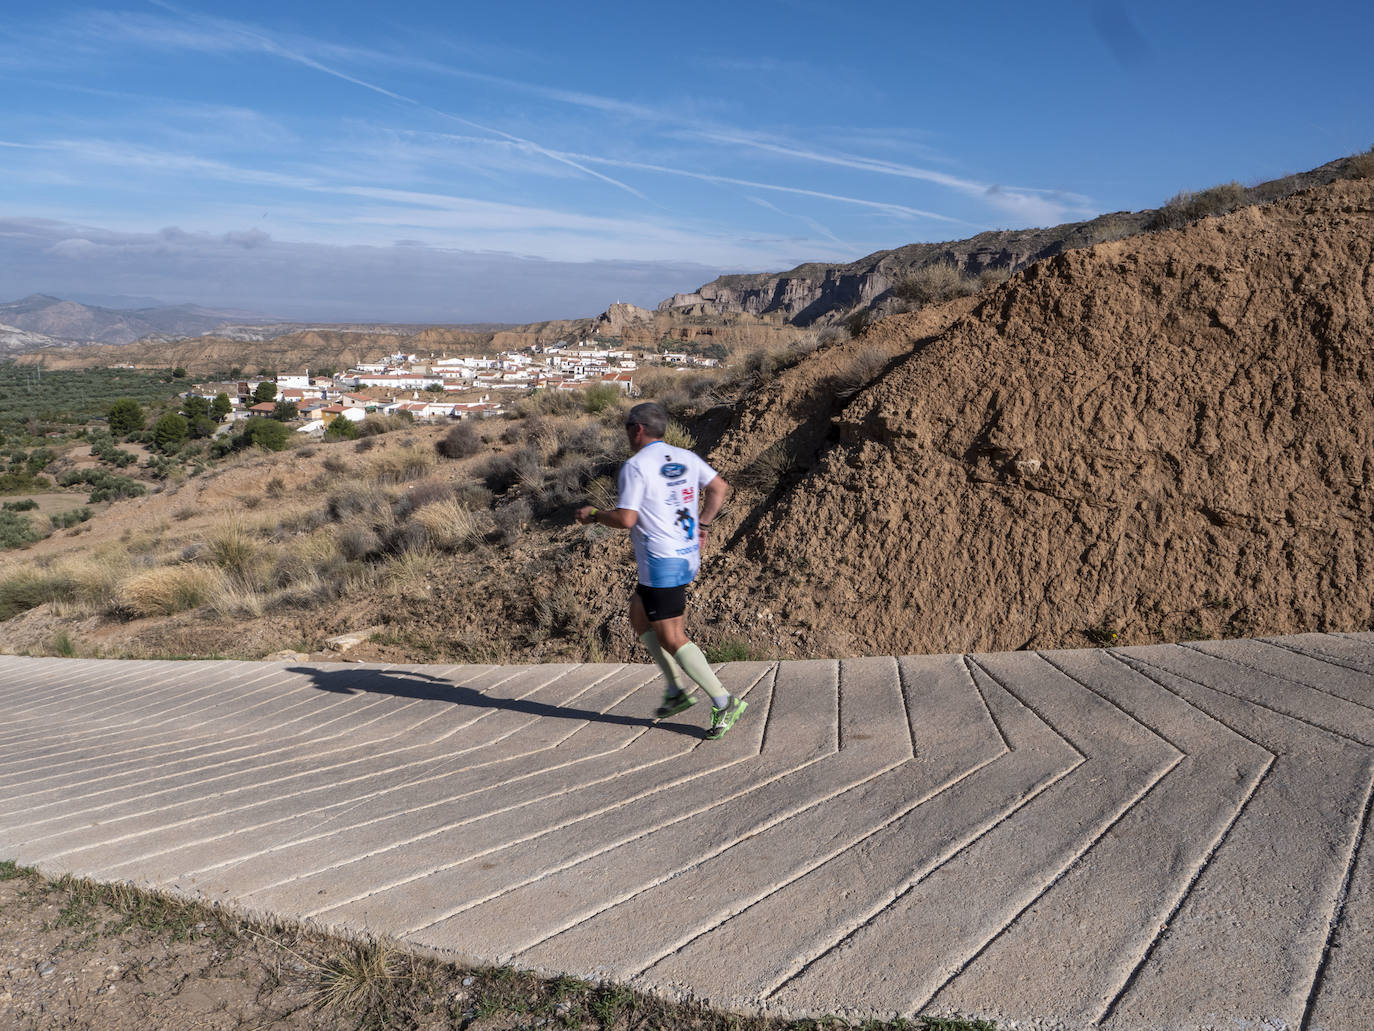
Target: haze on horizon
x,y
533,161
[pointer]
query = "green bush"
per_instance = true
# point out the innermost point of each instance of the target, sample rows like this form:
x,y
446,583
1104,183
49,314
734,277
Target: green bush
x,y
285,411
16,530
65,520
103,448
26,505
106,486
601,396
264,433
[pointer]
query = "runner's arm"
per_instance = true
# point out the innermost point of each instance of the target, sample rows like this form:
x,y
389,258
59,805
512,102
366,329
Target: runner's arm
x,y
713,496
616,518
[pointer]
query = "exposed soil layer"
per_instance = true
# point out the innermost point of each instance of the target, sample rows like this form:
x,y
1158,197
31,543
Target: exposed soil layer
x,y
1163,437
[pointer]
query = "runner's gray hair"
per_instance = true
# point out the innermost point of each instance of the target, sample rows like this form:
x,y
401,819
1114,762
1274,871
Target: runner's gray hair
x,y
652,416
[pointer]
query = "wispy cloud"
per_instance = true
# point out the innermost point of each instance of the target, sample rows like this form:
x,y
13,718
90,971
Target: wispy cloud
x,y
1013,199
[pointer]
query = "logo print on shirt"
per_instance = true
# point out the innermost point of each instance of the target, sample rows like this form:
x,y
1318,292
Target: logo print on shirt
x,y
673,470
688,494
685,520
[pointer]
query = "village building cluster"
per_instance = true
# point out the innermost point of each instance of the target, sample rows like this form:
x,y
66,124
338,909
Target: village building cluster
x,y
436,389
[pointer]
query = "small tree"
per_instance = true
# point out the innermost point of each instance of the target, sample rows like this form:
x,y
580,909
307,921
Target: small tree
x,y
286,411
195,406
264,391
341,429
220,407
170,433
179,372
125,416
435,388
202,426
265,433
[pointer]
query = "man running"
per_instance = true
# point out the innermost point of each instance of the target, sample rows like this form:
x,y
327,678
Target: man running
x,y
668,498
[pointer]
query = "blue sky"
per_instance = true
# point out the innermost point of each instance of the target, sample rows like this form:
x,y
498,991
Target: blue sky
x,y
436,162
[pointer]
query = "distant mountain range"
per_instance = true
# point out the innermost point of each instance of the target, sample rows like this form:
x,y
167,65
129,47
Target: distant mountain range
x,y
70,322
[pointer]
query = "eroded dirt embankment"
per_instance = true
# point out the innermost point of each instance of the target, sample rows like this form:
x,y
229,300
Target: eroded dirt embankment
x,y
1168,436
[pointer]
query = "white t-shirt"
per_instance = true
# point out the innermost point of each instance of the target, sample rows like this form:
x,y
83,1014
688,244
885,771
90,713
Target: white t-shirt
x,y
663,484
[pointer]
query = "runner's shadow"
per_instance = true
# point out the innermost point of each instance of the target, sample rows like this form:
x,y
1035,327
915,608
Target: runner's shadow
x,y
412,684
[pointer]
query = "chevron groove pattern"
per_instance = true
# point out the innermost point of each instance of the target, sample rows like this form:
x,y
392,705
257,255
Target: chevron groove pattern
x,y
1175,836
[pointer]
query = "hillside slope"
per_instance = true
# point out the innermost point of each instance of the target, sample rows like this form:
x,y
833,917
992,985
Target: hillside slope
x,y
817,292
1163,437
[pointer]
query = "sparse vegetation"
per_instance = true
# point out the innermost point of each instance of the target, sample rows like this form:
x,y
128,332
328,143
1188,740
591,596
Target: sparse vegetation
x,y
1184,208
934,284
275,974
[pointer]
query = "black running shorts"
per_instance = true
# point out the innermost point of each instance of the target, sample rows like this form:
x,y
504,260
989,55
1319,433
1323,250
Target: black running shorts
x,y
663,602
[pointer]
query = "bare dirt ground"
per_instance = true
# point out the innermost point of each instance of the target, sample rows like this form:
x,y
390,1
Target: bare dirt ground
x,y
84,957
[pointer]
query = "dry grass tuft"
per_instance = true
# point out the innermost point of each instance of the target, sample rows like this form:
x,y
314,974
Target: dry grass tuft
x,y
678,435
168,589
448,525
402,464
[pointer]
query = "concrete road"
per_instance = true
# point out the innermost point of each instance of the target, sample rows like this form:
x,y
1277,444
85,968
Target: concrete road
x,y
1136,838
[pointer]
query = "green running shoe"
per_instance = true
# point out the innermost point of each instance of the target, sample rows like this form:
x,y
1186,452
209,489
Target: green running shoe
x,y
674,702
723,719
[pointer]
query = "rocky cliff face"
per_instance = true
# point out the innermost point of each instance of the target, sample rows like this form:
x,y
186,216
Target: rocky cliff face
x,y
818,293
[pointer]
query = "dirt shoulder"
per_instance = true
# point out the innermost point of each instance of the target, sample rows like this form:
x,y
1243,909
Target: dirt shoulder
x,y
77,955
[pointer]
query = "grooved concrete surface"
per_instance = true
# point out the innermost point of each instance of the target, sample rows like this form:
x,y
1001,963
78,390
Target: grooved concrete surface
x,y
1142,838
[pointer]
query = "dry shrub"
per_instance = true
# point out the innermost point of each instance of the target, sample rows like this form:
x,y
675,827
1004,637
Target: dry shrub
x,y
407,537
335,464
449,525
1361,166
678,435
1186,207
95,578
473,496
587,438
401,465
29,588
767,470
602,492
934,284
231,546
356,499
356,541
511,521
168,589
460,442
235,600
275,488
862,369
375,425
418,495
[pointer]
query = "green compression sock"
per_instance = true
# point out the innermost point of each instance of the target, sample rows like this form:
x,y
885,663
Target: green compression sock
x,y
665,662
689,657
